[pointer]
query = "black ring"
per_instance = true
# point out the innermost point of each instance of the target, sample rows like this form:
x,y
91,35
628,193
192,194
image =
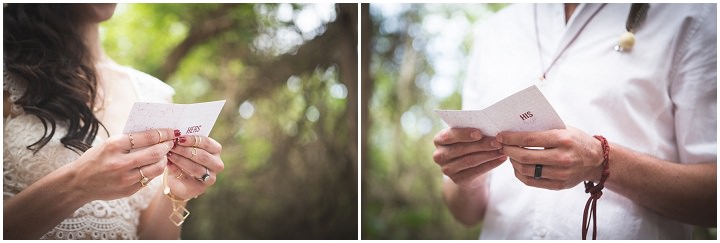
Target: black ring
x,y
538,172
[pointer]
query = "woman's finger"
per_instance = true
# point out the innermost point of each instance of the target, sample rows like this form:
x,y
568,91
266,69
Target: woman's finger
x,y
132,141
148,155
193,169
197,141
179,172
199,156
155,169
150,171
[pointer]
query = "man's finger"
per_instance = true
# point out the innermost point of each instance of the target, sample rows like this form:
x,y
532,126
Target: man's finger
x,y
470,160
537,156
547,139
457,135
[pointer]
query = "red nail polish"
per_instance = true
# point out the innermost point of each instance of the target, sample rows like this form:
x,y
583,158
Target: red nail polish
x,y
183,139
177,133
169,154
169,163
175,142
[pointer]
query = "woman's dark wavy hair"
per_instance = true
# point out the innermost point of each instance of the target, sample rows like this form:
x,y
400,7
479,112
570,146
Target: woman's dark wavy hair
x,y
44,49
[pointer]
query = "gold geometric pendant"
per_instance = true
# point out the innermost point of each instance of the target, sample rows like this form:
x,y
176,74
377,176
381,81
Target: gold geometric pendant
x,y
179,215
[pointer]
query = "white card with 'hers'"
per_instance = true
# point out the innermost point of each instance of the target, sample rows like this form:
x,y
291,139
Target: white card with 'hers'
x,y
190,119
525,111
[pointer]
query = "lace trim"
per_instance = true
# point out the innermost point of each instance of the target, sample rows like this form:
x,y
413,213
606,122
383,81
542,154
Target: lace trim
x,y
16,89
114,219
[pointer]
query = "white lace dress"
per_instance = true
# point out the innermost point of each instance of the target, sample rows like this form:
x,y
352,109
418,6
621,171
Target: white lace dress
x,y
114,219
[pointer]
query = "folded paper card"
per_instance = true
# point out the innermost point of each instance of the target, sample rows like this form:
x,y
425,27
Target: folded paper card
x,y
191,119
527,110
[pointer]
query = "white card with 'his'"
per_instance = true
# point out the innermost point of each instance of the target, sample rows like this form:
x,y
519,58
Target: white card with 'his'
x,y
527,110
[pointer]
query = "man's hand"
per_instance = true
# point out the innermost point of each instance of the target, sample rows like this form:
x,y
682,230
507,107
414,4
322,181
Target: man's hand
x,y
570,157
464,154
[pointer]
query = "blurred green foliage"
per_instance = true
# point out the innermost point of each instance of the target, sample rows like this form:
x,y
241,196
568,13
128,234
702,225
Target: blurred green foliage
x,y
401,183
287,143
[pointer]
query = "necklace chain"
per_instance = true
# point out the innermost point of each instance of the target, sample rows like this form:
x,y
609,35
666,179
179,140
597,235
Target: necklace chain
x,y
544,70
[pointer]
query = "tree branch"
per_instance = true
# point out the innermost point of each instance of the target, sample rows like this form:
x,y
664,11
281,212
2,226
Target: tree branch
x,y
215,23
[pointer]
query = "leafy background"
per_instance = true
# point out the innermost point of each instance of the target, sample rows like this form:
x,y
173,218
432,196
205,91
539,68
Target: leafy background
x,y
417,57
289,126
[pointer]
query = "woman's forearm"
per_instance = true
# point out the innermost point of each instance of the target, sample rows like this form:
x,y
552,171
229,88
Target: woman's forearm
x,y
154,221
42,205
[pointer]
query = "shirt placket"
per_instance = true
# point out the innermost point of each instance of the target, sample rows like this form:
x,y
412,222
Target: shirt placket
x,y
541,220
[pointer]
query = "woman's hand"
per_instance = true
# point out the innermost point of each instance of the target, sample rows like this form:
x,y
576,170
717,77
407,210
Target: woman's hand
x,y
113,169
190,160
464,155
570,157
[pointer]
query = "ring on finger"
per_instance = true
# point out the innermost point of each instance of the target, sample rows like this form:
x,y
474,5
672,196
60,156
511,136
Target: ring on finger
x,y
143,180
132,141
197,141
205,176
160,136
181,174
538,172
193,152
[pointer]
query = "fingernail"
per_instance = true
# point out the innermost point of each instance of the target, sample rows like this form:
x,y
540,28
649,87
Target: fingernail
x,y
169,154
499,139
182,139
476,135
175,141
494,144
177,133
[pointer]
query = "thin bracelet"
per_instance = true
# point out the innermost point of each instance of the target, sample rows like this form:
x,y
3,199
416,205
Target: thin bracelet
x,y
180,213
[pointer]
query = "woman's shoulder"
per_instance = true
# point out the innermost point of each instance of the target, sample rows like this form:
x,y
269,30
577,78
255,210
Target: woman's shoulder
x,y
150,88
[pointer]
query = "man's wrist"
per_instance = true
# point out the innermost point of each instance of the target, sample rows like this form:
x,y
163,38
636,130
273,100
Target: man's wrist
x,y
597,168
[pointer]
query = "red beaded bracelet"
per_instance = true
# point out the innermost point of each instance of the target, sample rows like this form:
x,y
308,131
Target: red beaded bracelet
x,y
595,191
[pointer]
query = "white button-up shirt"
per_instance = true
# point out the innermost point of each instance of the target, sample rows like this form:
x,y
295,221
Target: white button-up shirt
x,y
659,99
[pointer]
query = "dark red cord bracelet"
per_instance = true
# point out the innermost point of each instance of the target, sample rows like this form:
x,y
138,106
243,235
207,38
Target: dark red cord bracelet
x,y
595,192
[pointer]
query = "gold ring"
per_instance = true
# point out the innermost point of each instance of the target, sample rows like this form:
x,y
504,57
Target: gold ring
x,y
181,174
132,141
193,152
160,136
197,141
143,180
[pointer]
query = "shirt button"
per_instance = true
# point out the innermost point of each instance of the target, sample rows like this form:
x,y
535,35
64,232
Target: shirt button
x,y
542,232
